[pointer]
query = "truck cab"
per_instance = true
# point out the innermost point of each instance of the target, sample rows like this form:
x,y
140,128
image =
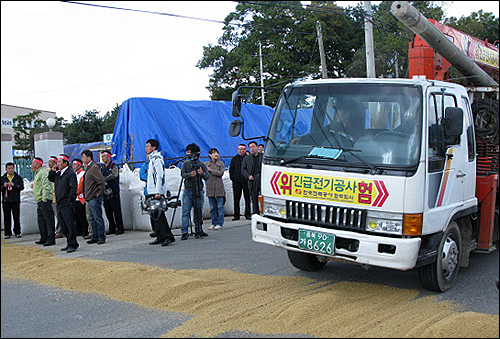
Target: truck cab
x,y
373,171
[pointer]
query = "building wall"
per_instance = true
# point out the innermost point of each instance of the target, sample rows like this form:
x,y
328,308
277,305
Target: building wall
x,y
10,112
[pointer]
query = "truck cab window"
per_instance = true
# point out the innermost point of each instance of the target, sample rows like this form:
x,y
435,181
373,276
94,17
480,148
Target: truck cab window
x,y
436,139
471,149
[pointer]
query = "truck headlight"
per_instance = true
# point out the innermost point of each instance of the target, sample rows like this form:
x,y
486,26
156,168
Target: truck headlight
x,y
384,222
274,208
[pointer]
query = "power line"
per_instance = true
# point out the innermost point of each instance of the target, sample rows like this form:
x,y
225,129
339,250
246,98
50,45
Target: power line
x,y
143,11
186,17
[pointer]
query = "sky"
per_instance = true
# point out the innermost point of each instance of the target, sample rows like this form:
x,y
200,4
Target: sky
x,y
68,58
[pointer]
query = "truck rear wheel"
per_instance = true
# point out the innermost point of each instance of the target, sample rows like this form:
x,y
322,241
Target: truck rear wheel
x,y
306,261
440,276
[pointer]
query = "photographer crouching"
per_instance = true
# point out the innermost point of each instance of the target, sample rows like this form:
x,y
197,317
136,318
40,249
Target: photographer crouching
x,y
156,188
192,172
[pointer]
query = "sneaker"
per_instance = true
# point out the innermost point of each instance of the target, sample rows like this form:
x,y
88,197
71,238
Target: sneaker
x,y
88,236
212,227
18,236
218,227
184,236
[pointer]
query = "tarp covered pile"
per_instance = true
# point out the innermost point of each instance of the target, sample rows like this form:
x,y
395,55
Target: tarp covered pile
x,y
176,124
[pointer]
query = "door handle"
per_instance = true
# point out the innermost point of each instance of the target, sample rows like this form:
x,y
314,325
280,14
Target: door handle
x,y
461,175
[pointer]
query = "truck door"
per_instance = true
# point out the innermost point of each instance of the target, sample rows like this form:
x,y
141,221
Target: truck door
x,y
470,164
446,158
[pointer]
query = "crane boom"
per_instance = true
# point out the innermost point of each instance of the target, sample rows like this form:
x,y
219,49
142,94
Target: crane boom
x,y
459,49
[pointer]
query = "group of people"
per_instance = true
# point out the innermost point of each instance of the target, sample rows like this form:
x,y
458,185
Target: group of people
x,y
80,192
200,178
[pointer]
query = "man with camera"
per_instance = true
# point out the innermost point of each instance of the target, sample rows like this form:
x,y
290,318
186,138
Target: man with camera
x,y
156,188
193,172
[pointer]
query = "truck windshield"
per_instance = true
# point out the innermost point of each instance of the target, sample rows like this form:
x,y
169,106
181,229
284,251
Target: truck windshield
x,y
353,124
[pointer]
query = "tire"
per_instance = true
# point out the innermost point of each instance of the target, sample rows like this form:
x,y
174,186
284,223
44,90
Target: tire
x,y
440,276
306,261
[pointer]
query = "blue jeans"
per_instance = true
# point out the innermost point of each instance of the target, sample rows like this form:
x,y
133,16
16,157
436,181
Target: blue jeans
x,y
95,218
216,210
187,204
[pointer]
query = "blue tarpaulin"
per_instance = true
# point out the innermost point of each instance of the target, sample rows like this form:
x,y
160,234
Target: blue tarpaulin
x,y
175,124
74,151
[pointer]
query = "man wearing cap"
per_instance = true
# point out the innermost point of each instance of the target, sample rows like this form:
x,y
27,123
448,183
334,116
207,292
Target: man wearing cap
x,y
112,204
42,190
93,190
81,223
64,180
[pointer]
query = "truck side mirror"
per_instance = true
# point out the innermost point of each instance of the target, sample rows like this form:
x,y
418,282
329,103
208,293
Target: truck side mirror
x,y
236,105
453,122
235,128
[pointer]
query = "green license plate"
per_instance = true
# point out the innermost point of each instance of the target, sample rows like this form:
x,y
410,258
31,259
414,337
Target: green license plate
x,y
317,241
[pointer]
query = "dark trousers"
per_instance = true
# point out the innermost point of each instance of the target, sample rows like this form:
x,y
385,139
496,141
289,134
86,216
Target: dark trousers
x,y
81,222
11,210
114,213
66,216
160,226
239,187
254,187
46,221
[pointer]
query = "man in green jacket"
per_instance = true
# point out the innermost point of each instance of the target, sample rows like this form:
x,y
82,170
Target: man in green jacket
x,y
42,189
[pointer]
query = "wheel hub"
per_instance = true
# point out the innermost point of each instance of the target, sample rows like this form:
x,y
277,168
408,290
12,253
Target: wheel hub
x,y
449,260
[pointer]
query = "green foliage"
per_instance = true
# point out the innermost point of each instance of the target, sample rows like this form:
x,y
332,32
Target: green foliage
x,y
483,26
27,125
90,127
287,31
289,45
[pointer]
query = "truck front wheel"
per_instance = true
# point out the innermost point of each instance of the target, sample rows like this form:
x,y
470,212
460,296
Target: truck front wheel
x,y
440,276
306,261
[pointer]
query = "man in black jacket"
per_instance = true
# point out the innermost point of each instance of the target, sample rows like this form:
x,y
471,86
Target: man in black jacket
x,y
251,168
239,183
65,188
112,204
12,184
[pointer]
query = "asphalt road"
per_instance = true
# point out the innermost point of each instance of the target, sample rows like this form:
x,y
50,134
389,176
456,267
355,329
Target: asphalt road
x,y
32,310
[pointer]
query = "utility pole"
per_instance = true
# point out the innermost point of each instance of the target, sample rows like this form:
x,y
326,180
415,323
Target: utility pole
x,y
370,53
321,50
261,75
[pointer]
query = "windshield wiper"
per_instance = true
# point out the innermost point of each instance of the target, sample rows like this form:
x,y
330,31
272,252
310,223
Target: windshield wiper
x,y
307,156
373,170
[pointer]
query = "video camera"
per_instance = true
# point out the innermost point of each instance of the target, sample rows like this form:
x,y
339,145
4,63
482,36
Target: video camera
x,y
151,205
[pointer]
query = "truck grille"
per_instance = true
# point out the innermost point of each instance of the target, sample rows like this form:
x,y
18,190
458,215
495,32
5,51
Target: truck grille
x,y
326,216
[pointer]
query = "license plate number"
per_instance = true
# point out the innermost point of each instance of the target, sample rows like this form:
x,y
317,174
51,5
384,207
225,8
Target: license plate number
x,y
317,241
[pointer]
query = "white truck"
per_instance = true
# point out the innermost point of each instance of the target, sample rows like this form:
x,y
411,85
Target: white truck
x,y
379,172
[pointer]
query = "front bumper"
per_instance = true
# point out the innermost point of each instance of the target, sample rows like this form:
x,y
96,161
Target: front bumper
x,y
396,253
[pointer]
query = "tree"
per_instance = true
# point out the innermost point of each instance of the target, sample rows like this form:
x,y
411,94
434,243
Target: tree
x,y
391,38
90,127
25,128
287,32
484,26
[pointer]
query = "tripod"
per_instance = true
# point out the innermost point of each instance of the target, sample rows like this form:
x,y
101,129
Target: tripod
x,y
198,217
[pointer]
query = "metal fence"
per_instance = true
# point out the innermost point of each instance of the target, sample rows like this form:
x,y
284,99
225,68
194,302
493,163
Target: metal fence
x,y
23,168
